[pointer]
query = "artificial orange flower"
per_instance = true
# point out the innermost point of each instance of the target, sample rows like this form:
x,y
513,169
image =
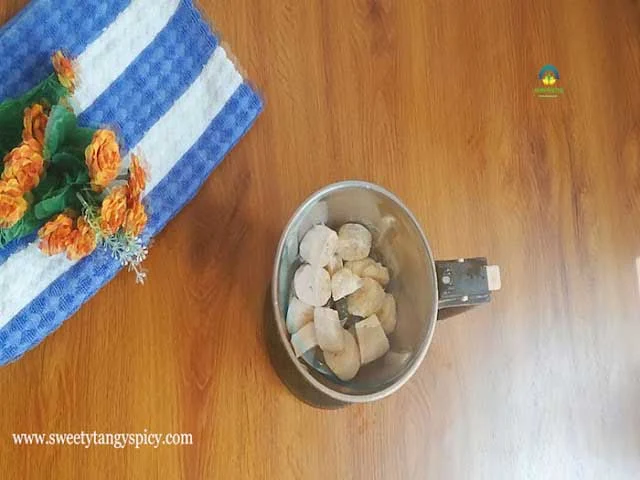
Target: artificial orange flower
x,y
82,242
137,179
114,210
64,69
24,164
56,235
35,123
12,204
136,219
102,157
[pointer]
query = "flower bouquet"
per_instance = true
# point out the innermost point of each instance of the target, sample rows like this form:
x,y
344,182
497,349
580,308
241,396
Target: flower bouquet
x,y
64,181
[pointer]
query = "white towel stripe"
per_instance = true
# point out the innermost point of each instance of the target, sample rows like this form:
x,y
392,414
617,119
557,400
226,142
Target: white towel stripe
x,y
111,53
163,146
174,134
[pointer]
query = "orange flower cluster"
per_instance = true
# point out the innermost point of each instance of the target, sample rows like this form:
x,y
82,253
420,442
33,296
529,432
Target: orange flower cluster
x,y
113,211
137,178
12,203
83,240
122,207
102,157
23,167
55,235
35,123
66,234
115,222
136,218
64,69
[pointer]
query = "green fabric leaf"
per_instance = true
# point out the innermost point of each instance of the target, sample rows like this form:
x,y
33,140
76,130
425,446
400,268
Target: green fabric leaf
x,y
11,117
80,138
65,144
69,164
62,122
47,185
55,203
28,224
66,160
75,151
80,177
48,92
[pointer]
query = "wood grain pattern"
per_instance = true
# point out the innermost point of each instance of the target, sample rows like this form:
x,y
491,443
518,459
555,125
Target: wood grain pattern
x,y
432,99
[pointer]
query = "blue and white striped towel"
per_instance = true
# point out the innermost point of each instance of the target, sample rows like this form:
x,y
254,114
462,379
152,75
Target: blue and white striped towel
x,y
154,71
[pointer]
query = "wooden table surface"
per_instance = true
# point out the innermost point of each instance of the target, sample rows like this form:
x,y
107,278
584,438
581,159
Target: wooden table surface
x,y
434,100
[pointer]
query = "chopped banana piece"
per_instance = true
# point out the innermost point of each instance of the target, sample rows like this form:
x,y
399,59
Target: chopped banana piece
x,y
369,268
367,300
354,242
344,282
328,330
312,285
340,307
358,266
346,363
319,245
379,273
387,314
298,315
304,339
334,264
372,340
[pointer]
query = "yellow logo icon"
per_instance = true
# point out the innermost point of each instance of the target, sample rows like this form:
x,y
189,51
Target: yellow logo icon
x,y
548,79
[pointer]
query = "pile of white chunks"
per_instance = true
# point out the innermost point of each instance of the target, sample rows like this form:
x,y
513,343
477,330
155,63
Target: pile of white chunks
x,y
338,284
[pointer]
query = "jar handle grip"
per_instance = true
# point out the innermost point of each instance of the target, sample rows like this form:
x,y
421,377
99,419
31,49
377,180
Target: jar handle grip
x,y
464,283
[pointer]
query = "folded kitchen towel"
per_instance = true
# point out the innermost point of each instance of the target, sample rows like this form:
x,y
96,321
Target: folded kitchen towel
x,y
153,71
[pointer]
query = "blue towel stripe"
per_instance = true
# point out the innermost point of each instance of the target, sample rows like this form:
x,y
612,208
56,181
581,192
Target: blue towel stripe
x,y
44,26
156,79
